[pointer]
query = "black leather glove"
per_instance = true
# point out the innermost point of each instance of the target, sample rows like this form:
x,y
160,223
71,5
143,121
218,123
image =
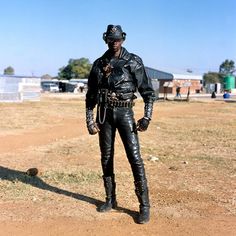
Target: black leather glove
x,y
143,124
93,128
91,125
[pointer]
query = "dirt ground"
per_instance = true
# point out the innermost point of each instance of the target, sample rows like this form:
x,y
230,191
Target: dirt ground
x,y
189,153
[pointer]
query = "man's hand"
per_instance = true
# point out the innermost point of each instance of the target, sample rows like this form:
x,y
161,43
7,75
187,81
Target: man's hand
x,y
142,124
93,128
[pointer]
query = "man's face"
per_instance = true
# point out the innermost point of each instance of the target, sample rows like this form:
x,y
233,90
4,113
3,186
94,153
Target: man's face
x,y
114,44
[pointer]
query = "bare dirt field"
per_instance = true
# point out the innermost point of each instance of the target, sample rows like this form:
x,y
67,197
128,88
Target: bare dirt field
x,y
189,152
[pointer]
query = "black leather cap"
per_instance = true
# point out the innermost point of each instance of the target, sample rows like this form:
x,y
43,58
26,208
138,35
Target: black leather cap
x,y
114,32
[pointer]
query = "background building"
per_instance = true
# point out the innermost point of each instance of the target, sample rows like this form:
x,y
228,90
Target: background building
x,y
19,88
168,82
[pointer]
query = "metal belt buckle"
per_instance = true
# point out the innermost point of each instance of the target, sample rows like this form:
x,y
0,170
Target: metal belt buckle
x,y
113,95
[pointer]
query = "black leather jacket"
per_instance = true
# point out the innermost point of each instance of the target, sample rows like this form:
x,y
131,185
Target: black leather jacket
x,y
126,76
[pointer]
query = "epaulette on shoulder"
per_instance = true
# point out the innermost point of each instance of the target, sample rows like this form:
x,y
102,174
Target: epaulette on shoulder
x,y
136,58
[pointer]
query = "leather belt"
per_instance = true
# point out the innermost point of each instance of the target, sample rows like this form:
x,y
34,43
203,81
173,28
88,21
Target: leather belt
x,y
120,103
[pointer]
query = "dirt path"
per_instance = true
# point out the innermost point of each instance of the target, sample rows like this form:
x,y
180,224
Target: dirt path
x,y
71,227
40,136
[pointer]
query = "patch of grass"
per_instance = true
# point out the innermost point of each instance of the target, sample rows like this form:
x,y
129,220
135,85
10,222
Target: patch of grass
x,y
17,185
216,161
14,190
80,177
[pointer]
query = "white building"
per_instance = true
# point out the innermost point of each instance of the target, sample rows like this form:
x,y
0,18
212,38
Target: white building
x,y
19,88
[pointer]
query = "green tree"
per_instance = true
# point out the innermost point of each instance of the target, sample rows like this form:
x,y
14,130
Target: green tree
x,y
76,68
227,67
211,78
65,72
9,71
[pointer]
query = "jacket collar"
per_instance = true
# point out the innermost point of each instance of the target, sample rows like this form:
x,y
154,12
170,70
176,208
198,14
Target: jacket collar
x,y
124,54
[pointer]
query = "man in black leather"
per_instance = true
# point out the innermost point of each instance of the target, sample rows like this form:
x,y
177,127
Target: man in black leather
x,y
112,83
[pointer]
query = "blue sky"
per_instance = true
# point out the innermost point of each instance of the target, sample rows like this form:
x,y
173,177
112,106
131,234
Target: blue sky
x,y
40,36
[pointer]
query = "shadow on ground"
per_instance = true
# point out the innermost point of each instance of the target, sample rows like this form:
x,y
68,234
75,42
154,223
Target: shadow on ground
x,y
35,181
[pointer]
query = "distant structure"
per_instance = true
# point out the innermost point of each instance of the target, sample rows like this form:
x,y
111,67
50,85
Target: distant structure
x,y
168,82
19,88
68,86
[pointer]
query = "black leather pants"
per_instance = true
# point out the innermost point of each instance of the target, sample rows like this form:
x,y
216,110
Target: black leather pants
x,y
121,119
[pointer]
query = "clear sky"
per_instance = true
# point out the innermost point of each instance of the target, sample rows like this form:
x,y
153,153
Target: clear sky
x,y
40,36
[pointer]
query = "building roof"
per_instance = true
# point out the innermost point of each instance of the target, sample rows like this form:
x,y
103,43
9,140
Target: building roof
x,y
161,75
157,74
18,76
187,77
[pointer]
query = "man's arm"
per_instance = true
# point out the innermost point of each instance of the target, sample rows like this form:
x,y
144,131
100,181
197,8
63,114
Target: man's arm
x,y
91,101
145,88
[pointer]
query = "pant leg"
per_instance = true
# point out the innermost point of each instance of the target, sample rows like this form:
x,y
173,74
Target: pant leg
x,y
127,129
106,142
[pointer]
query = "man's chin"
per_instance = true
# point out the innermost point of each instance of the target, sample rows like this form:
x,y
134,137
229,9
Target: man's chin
x,y
113,50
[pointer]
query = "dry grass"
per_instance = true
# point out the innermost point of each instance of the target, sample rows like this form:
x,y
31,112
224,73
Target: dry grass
x,y
195,143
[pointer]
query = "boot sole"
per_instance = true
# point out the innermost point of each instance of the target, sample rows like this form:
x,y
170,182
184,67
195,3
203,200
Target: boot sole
x,y
114,206
143,221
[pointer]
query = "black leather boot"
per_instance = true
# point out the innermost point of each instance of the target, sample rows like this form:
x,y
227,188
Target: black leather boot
x,y
110,188
141,191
